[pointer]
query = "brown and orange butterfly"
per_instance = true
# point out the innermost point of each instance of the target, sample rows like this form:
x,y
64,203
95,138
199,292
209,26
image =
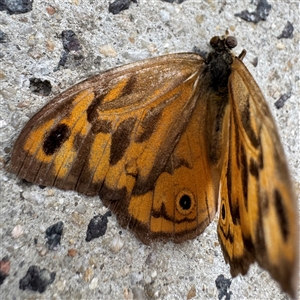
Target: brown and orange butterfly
x,y
166,141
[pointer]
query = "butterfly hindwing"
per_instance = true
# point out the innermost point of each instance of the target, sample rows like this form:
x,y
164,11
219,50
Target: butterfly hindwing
x,y
258,210
189,179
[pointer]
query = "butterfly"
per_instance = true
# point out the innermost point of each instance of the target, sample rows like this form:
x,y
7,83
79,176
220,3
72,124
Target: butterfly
x,y
166,143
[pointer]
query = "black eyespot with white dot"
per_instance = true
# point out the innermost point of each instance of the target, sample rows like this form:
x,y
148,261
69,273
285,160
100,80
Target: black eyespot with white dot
x,y
185,202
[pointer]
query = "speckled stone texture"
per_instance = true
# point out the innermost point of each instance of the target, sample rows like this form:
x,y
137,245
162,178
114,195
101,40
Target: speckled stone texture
x,y
117,265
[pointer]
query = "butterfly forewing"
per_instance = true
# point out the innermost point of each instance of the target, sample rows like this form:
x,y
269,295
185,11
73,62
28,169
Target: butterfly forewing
x,y
121,108
258,213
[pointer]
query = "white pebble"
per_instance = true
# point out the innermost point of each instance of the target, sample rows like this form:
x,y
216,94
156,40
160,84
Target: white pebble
x,y
164,16
2,123
280,46
116,244
136,55
108,50
17,231
136,277
154,274
61,284
93,284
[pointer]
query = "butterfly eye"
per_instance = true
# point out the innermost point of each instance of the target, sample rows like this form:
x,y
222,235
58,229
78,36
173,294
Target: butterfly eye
x,y
231,42
214,42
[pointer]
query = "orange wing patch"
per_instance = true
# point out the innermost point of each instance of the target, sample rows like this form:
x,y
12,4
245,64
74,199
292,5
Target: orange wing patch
x,y
188,178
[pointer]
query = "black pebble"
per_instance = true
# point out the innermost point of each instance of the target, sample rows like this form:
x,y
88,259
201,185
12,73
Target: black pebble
x,y
260,14
97,226
53,235
280,102
16,6
222,285
40,87
36,279
119,5
287,32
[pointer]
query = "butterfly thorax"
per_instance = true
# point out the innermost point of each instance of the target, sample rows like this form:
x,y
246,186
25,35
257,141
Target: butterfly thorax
x,y
218,70
219,62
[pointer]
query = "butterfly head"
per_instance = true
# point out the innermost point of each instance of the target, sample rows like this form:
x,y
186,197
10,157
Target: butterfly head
x,y
220,44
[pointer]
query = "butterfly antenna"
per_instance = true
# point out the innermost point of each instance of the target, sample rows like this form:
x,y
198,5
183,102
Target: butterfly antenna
x,y
242,54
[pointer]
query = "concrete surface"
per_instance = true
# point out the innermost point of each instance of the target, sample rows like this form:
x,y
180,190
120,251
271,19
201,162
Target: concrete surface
x,y
118,266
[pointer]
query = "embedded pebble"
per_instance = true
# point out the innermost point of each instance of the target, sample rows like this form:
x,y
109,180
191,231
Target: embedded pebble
x,y
16,6
70,41
80,208
4,268
108,50
15,119
287,31
33,196
116,244
124,271
97,226
94,284
39,37
118,5
77,218
127,294
8,93
15,189
128,258
31,41
42,250
88,274
61,285
53,235
138,293
3,37
191,293
35,53
147,279
164,16
154,274
136,55
2,123
36,279
152,290
136,277
94,261
42,228
151,258
50,45
72,252
51,10
280,46
17,231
